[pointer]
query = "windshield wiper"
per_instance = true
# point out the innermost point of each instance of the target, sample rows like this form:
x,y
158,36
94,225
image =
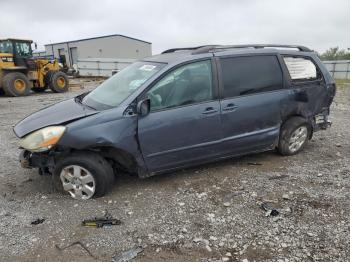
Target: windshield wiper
x,y
79,100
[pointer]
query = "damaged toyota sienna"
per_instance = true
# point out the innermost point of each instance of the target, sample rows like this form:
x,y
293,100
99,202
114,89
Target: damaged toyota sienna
x,y
184,107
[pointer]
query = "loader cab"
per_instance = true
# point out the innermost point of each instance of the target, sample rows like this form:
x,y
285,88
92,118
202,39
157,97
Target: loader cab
x,y
20,49
17,47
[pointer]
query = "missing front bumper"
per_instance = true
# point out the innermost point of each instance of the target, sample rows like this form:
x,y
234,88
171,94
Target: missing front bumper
x,y
24,159
29,159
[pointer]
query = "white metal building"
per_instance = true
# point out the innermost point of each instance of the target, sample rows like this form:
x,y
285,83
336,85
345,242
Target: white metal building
x,y
39,53
110,46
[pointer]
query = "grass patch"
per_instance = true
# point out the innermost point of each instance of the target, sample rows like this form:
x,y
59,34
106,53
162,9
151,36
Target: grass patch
x,y
342,82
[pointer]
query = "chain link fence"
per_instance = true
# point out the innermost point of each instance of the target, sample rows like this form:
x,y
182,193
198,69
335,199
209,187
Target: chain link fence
x,y
339,69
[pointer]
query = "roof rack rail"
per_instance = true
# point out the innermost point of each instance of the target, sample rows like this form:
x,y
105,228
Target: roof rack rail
x,y
172,50
206,49
212,48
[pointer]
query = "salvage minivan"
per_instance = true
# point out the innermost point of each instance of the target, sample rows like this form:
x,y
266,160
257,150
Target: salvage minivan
x,y
184,107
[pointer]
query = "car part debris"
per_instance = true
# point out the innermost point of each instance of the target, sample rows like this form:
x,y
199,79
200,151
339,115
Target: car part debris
x,y
106,220
270,211
38,221
254,164
286,197
127,255
73,244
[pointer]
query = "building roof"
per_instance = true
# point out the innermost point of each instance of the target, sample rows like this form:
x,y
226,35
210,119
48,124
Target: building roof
x,y
105,36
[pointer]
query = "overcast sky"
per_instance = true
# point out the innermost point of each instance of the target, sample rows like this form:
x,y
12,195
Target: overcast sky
x,y
318,24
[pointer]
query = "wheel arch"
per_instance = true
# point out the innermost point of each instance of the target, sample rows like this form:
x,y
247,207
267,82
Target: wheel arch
x,y
5,71
119,158
307,120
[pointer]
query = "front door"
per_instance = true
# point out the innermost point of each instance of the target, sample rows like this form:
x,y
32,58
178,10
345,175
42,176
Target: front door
x,y
252,98
183,126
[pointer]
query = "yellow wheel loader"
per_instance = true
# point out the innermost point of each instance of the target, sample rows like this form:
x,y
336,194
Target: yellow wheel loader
x,y
20,72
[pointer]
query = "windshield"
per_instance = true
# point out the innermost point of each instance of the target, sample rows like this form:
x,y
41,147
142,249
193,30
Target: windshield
x,y
6,47
120,86
23,49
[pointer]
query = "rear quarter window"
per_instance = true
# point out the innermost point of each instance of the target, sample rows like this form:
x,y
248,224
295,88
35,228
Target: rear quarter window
x,y
250,75
301,69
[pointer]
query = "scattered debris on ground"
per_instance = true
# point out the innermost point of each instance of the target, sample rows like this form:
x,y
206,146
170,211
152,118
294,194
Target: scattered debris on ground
x,y
106,220
270,211
254,164
37,221
127,255
73,244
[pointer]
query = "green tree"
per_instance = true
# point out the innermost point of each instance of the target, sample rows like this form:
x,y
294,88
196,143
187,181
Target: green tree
x,y
335,53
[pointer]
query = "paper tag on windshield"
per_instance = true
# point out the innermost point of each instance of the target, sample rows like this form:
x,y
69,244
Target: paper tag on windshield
x,y
147,67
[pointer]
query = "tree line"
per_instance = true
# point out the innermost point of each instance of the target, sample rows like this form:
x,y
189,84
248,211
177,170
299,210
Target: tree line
x,y
335,53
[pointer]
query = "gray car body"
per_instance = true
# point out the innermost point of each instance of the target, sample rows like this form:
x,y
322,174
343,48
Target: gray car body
x,y
185,136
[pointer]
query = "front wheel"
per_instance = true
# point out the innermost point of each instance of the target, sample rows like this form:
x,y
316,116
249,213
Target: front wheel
x,y
84,175
294,135
16,84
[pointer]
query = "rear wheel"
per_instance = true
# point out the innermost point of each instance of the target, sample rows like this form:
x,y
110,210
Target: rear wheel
x,y
84,175
16,84
294,135
58,82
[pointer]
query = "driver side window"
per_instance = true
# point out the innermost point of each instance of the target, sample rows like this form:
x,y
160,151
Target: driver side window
x,y
188,84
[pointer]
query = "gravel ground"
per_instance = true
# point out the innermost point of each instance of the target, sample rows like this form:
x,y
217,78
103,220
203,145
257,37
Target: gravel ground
x,y
208,213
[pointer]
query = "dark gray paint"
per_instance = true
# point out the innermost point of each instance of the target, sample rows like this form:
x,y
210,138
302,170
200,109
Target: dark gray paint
x,y
169,138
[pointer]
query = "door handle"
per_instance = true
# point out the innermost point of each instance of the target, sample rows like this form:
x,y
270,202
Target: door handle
x,y
210,110
230,107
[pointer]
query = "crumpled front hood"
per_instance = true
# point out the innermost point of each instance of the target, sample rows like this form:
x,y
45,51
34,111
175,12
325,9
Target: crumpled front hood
x,y
60,113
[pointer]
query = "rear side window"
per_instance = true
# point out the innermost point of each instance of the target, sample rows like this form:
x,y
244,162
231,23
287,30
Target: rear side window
x,y
249,75
301,69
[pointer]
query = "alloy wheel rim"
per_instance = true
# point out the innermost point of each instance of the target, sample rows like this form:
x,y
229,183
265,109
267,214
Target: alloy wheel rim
x,y
298,138
78,182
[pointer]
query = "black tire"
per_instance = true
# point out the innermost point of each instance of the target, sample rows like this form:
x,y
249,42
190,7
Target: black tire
x,y
58,82
99,168
16,84
39,89
287,130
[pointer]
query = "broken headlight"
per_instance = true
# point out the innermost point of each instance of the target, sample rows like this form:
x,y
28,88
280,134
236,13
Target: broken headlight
x,y
42,139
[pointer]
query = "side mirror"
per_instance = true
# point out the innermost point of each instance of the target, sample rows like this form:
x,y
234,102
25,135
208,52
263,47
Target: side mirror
x,y
35,46
143,107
